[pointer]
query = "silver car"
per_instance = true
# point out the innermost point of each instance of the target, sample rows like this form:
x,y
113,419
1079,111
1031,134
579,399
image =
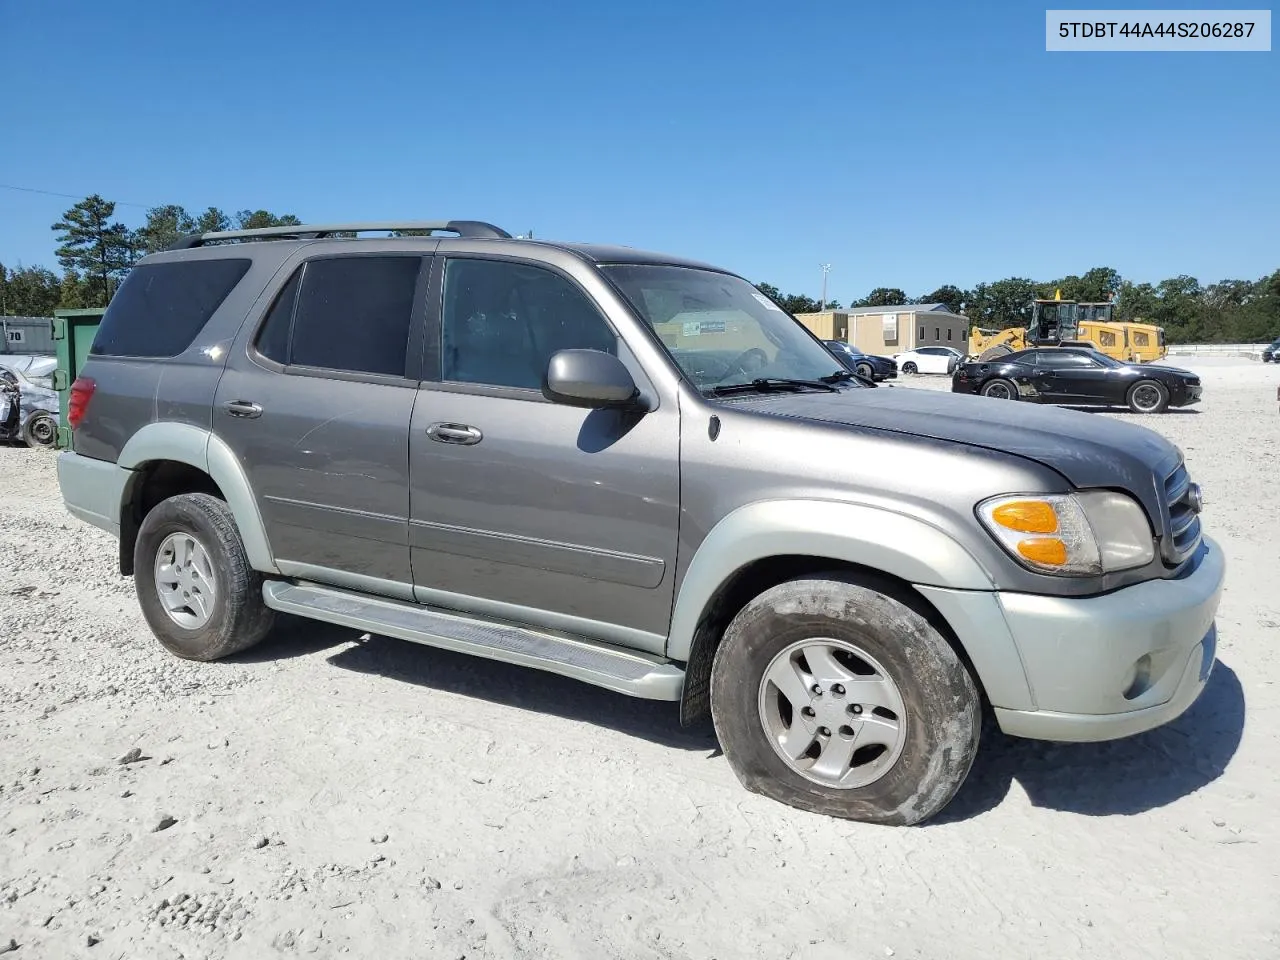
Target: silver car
x,y
28,402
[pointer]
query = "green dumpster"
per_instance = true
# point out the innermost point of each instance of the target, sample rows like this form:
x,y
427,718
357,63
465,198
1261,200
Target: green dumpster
x,y
73,333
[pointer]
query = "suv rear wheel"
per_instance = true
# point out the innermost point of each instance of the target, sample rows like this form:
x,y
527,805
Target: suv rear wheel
x,y
197,591
834,698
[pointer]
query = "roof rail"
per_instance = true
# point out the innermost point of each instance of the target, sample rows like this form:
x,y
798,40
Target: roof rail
x,y
304,231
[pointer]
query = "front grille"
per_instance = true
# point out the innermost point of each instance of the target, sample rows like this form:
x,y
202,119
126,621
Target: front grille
x,y
1184,522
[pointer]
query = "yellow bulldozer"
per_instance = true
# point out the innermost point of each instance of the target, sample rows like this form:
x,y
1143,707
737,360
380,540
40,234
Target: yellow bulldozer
x,y
1059,322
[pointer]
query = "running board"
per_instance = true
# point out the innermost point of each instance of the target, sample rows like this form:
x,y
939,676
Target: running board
x,y
625,671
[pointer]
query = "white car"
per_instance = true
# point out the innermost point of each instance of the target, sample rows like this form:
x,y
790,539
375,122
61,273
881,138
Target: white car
x,y
928,360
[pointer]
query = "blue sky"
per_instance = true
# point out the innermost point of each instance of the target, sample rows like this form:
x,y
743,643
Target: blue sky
x,y
907,144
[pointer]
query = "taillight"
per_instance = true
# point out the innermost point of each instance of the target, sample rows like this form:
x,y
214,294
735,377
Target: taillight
x,y
78,402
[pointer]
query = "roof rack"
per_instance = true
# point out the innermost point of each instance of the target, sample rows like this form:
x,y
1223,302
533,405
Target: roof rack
x,y
302,231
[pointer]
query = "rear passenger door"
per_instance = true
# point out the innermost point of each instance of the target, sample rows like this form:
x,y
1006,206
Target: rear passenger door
x,y
526,509
316,403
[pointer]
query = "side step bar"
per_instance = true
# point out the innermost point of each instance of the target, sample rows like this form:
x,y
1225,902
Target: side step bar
x,y
624,671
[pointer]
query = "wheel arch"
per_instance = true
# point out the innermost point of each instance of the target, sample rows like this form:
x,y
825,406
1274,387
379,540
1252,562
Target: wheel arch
x,y
166,459
763,544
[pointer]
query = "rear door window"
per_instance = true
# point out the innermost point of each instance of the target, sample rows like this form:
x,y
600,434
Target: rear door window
x,y
162,307
349,314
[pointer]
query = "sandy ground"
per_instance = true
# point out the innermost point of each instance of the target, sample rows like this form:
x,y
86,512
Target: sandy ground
x,y
325,795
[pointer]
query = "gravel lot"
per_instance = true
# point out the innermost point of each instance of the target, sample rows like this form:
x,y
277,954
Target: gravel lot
x,y
327,794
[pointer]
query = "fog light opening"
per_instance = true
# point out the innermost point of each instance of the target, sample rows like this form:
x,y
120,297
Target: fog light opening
x,y
1139,678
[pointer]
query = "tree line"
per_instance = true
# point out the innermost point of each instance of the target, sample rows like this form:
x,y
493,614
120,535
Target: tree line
x,y
1230,311
96,251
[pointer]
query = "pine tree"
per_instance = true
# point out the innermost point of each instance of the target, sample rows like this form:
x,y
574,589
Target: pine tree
x,y
92,243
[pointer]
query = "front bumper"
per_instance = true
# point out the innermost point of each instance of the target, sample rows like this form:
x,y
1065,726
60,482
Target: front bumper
x,y
1100,668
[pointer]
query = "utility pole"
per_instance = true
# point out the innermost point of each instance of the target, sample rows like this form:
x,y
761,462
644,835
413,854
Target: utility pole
x,y
826,268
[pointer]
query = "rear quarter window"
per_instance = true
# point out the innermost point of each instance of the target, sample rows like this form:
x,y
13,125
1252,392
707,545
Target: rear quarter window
x,y
161,307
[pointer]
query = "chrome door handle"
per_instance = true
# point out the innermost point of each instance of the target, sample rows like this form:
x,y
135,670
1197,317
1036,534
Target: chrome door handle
x,y
246,409
454,433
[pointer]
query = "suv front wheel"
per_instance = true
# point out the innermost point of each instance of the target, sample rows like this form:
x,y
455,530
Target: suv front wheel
x,y
197,591
835,698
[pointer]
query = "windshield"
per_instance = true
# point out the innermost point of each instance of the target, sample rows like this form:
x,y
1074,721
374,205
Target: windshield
x,y
1102,358
719,329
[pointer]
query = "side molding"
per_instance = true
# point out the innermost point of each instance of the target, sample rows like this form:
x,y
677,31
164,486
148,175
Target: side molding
x,y
892,543
199,448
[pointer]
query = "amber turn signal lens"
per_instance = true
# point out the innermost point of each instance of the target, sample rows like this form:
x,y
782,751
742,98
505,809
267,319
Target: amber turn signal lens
x,y
1026,516
1050,551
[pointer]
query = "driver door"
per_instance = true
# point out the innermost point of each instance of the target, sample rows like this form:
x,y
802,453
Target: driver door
x,y
935,360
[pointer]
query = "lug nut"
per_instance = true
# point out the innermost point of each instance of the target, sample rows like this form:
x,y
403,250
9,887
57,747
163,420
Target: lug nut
x,y
817,690
856,709
838,690
809,712
826,732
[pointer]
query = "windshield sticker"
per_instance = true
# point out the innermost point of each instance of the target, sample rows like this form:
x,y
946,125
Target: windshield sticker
x,y
766,302
692,328
711,326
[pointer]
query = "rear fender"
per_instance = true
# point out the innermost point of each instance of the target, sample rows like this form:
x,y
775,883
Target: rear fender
x,y
184,443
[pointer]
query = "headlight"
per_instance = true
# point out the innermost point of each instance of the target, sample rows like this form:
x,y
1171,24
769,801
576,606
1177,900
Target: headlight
x,y
1071,535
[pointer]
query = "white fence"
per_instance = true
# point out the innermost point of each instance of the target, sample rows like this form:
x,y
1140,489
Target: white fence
x,y
1216,349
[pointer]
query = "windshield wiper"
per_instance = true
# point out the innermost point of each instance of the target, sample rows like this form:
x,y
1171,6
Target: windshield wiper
x,y
770,383
840,376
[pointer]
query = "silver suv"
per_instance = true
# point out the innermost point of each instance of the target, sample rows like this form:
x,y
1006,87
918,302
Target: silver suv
x,y
638,471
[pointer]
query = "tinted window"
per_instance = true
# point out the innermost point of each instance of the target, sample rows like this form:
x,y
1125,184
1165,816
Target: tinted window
x,y
1058,360
353,314
273,341
502,321
161,307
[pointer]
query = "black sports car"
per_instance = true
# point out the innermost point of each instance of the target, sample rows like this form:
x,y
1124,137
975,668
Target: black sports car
x,y
1078,377
866,365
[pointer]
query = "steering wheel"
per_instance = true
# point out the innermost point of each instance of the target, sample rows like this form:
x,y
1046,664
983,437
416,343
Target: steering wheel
x,y
739,362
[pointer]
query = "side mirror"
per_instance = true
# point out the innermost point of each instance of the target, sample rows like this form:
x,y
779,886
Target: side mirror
x,y
589,378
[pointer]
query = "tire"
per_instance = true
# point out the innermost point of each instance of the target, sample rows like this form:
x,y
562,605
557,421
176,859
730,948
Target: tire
x,y
864,370
999,389
40,430
910,367
234,617
1148,396
938,709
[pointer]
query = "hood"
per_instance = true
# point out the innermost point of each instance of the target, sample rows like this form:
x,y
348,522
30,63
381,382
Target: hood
x,y
1088,449
1178,371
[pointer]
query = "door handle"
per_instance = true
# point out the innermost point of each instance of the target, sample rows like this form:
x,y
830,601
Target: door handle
x,y
454,433
245,409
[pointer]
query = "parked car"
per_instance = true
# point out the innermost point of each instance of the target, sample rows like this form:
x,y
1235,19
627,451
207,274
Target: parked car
x,y
635,470
1271,352
28,410
1079,377
866,365
928,360
37,369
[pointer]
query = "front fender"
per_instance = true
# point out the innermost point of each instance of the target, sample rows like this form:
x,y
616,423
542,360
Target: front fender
x,y
196,447
896,544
